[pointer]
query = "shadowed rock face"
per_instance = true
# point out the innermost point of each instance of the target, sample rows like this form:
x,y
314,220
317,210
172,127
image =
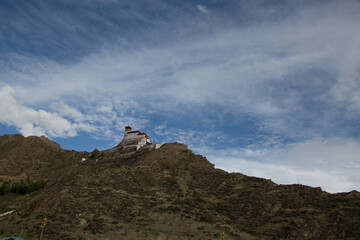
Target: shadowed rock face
x,y
169,193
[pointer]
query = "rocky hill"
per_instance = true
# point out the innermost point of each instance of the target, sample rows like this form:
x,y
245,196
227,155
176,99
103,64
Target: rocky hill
x,y
168,193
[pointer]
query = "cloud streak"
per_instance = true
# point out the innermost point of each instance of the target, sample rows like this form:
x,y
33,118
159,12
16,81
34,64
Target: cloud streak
x,y
203,9
332,164
35,122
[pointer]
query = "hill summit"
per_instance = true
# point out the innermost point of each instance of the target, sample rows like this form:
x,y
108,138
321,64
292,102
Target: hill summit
x,y
164,193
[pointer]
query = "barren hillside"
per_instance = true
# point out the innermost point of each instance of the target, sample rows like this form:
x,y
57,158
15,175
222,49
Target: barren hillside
x,y
168,193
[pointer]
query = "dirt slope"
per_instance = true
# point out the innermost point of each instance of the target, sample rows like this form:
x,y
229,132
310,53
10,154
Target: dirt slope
x,y
169,193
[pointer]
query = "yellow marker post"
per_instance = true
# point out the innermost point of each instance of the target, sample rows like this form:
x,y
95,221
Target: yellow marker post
x,y
222,227
44,222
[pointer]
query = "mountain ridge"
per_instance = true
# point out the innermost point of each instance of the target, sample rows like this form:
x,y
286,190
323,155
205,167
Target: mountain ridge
x,y
168,193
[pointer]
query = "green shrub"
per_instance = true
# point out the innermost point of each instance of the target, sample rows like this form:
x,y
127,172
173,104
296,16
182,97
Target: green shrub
x,y
95,153
4,189
25,187
18,187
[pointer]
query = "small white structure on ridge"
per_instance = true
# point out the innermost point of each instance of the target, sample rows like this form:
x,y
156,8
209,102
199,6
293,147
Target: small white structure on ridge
x,y
137,140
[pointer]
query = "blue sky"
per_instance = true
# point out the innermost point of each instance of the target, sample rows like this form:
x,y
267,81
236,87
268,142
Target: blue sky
x,y
265,88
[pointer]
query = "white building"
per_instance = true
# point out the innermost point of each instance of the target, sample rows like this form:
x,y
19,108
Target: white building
x,y
136,139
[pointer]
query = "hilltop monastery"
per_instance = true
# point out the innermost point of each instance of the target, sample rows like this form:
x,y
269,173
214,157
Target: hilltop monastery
x,y
137,140
134,140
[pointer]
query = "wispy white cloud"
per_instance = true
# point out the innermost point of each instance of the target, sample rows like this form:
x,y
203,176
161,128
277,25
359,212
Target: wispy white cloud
x,y
203,9
347,87
62,120
332,164
35,122
281,78
64,110
195,139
